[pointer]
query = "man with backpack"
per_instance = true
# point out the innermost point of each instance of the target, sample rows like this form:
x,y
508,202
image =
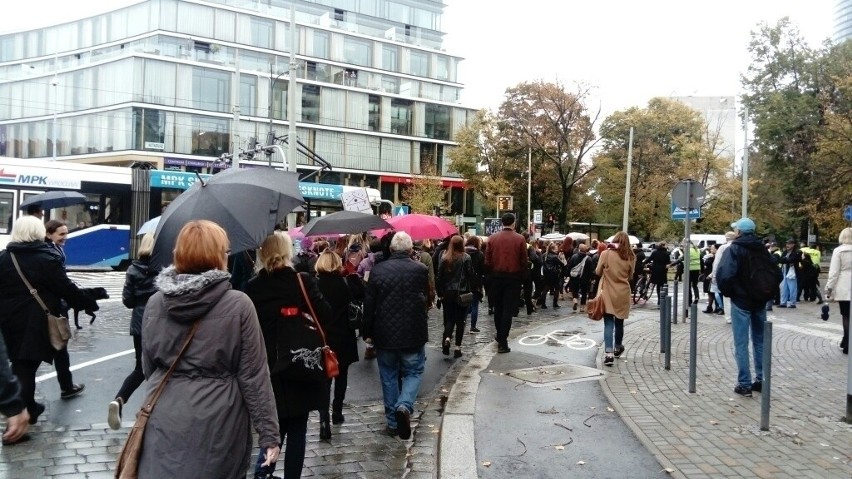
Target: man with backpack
x,y
749,275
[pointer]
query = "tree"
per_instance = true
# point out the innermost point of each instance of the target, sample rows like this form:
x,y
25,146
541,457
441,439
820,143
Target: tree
x,y
557,126
425,193
671,142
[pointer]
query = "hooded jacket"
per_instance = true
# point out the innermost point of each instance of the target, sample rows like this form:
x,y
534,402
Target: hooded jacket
x,y
201,426
138,288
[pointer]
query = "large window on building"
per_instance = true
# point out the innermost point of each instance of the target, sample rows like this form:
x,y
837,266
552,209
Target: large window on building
x,y
375,113
248,95
443,72
390,57
418,63
279,99
149,129
320,49
210,89
401,116
310,103
357,51
210,136
437,124
262,32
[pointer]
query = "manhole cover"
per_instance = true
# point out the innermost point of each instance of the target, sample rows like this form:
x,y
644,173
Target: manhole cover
x,y
556,372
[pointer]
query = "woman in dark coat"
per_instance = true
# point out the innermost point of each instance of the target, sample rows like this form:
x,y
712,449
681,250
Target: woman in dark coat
x,y
552,276
341,337
473,248
276,287
22,321
660,260
138,288
454,275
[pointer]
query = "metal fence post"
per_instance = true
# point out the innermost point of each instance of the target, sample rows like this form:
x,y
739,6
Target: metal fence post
x,y
693,345
765,391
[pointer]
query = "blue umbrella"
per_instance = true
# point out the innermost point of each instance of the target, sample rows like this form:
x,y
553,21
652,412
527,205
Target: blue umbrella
x,y
54,199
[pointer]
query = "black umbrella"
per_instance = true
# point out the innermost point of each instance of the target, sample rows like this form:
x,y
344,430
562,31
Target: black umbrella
x,y
344,222
54,199
246,203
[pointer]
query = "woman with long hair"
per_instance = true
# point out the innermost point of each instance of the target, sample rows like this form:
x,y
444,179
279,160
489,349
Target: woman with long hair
x,y
454,277
838,288
615,268
276,289
552,276
341,337
138,289
220,387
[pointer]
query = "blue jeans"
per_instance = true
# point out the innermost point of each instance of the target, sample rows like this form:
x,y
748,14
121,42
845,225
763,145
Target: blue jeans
x,y
393,363
743,320
789,291
613,332
474,308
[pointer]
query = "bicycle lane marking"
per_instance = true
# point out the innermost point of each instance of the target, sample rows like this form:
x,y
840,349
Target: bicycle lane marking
x,y
562,337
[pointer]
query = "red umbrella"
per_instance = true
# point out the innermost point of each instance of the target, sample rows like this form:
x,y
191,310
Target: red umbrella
x,y
421,227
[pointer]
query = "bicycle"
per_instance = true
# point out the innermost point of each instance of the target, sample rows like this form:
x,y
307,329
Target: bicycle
x,y
643,289
565,338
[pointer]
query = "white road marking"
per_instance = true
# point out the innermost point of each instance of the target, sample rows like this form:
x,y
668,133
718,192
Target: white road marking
x,y
87,363
812,332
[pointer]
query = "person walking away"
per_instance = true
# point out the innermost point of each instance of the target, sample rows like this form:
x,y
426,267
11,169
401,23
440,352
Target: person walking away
x,y
815,257
839,283
22,319
395,317
730,236
659,268
138,289
706,276
341,337
473,247
615,268
791,262
747,273
220,388
676,258
506,260
552,276
454,280
11,405
527,284
694,271
579,273
420,254
639,268
275,291
56,234
598,248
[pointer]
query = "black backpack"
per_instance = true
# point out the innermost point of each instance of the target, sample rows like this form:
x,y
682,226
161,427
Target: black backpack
x,y
763,275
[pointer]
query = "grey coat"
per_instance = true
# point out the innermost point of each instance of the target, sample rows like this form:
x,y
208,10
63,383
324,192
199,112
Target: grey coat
x,y
201,426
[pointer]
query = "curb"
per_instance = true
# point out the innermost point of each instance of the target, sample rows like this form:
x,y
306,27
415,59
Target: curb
x,y
457,444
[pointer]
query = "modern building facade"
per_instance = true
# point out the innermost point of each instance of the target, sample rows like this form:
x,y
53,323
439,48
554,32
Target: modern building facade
x,y
842,20
177,83
720,113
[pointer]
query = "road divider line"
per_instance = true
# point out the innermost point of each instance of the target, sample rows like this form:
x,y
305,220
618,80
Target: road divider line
x,y
47,376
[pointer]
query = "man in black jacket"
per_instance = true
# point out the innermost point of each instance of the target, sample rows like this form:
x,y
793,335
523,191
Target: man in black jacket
x,y
11,404
395,308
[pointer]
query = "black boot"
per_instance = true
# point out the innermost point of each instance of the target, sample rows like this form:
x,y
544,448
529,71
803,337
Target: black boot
x,y
325,426
844,343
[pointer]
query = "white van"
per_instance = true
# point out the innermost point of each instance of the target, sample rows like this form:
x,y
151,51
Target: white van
x,y
705,240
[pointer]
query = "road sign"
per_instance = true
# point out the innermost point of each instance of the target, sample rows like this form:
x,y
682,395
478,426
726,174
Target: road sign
x,y
847,213
688,194
504,202
679,214
400,210
537,214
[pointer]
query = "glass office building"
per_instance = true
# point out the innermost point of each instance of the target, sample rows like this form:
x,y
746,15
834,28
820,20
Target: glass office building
x,y
177,83
842,20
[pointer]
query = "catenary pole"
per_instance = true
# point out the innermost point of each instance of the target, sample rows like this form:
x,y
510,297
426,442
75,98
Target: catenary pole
x,y
625,218
529,188
745,169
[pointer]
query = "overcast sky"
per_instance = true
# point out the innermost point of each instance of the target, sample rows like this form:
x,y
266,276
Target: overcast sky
x,y
627,50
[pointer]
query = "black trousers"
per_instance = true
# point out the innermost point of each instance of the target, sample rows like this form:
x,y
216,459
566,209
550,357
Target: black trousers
x,y
505,292
62,364
340,384
25,370
136,377
454,319
294,431
528,294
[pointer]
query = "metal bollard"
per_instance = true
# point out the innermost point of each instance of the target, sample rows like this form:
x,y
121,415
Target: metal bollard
x,y
668,336
662,328
674,304
693,345
767,376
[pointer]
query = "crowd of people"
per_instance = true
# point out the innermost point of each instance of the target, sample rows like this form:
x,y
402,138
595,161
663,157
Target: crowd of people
x,y
224,343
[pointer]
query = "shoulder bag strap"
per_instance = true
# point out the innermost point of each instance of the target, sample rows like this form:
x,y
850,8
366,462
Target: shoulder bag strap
x,y
311,308
152,400
33,291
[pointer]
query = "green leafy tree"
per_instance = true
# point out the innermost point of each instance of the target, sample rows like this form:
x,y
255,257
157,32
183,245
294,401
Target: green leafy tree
x,y
425,193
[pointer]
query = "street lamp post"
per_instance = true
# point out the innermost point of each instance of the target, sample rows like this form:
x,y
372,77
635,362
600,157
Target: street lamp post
x,y
54,83
271,135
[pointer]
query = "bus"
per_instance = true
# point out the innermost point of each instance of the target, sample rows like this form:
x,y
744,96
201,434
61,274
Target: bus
x,y
99,230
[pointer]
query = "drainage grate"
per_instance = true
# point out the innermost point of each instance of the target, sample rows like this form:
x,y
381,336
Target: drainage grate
x,y
556,372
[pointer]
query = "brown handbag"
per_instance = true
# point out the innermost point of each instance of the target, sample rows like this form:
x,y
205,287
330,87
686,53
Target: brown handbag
x,y
127,466
330,363
595,307
58,328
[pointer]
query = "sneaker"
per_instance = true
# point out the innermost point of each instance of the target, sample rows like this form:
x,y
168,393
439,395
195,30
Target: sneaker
x,y
744,391
608,361
392,432
792,306
474,330
504,349
728,320
114,413
782,305
757,386
445,348
75,391
457,353
575,307
337,418
403,422
619,350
